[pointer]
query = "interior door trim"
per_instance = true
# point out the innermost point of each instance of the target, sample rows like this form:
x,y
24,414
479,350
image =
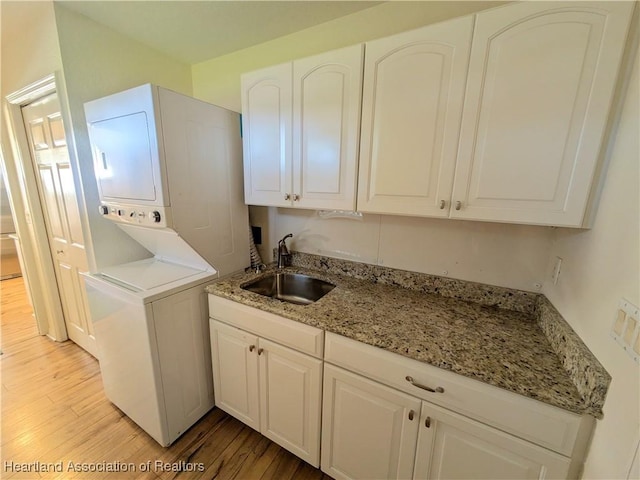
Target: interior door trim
x,y
38,262
34,91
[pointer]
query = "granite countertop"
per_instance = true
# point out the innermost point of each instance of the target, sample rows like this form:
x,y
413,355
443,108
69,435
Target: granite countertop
x,y
454,325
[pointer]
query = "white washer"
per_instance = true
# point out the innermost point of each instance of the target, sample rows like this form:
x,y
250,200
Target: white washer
x,y
151,325
169,173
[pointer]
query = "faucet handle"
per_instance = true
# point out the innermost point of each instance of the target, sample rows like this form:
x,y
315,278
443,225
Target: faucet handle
x,y
283,253
282,242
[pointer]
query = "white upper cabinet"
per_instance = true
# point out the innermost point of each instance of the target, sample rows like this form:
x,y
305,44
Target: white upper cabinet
x,y
266,135
541,82
301,130
327,92
412,105
501,116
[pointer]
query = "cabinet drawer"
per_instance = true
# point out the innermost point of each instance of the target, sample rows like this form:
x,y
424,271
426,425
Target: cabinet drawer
x,y
287,332
543,424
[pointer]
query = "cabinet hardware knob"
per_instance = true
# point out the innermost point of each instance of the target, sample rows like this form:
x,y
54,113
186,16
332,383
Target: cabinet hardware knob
x,y
252,348
423,387
458,205
287,196
427,422
296,197
260,350
59,251
442,204
411,413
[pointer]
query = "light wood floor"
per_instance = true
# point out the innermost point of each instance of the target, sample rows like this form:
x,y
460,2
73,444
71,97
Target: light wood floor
x,y
54,410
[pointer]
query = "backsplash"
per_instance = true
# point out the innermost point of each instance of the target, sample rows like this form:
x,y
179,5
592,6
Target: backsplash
x,y
512,256
489,295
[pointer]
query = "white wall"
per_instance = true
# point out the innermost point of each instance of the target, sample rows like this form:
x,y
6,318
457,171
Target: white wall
x,y
497,254
599,267
218,80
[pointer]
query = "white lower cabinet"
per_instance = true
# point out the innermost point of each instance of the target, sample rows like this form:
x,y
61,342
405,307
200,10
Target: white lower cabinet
x,y
372,431
383,415
451,446
271,388
368,430
235,372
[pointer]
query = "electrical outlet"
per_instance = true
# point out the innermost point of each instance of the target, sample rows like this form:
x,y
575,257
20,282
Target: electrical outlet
x,y
257,235
626,328
556,270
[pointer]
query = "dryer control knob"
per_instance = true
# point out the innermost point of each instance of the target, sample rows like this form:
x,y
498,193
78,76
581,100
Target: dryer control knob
x,y
155,216
103,209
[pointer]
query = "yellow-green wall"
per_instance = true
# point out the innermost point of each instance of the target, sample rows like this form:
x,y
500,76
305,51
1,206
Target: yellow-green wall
x,y
29,43
218,80
29,52
99,61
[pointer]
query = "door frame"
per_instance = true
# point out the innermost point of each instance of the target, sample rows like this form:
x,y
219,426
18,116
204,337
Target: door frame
x,y
24,198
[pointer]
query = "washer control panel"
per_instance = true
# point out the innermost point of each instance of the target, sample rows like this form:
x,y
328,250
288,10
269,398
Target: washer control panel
x,y
157,217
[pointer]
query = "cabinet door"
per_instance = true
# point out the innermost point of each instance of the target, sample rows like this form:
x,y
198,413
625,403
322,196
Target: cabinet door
x,y
327,92
451,446
290,399
541,80
412,105
266,125
235,372
366,428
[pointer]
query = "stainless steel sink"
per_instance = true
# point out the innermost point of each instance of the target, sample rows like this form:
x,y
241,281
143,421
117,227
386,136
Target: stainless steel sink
x,y
290,287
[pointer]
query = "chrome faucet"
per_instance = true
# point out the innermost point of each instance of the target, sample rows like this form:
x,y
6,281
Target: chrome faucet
x,y
284,257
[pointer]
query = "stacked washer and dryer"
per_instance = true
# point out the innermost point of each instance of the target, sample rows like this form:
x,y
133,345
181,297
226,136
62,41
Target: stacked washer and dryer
x,y
169,173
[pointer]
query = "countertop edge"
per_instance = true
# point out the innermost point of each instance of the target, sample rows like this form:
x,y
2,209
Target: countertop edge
x,y
587,373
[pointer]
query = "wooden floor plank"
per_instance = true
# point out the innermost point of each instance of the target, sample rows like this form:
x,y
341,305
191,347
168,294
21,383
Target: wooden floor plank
x,y
53,409
283,467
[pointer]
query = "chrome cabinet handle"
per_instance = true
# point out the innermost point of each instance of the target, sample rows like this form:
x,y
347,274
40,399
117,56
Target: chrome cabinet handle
x,y
442,204
423,387
287,196
252,348
458,205
427,422
411,413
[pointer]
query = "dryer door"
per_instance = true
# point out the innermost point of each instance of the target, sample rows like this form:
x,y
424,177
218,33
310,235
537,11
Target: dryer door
x,y
123,158
126,148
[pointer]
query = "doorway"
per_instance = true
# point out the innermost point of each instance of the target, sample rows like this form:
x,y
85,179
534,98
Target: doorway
x,y
50,184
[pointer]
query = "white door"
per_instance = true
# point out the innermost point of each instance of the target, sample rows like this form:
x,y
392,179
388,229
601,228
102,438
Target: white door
x,y
412,105
46,135
266,134
541,79
235,372
451,446
327,92
290,399
369,431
